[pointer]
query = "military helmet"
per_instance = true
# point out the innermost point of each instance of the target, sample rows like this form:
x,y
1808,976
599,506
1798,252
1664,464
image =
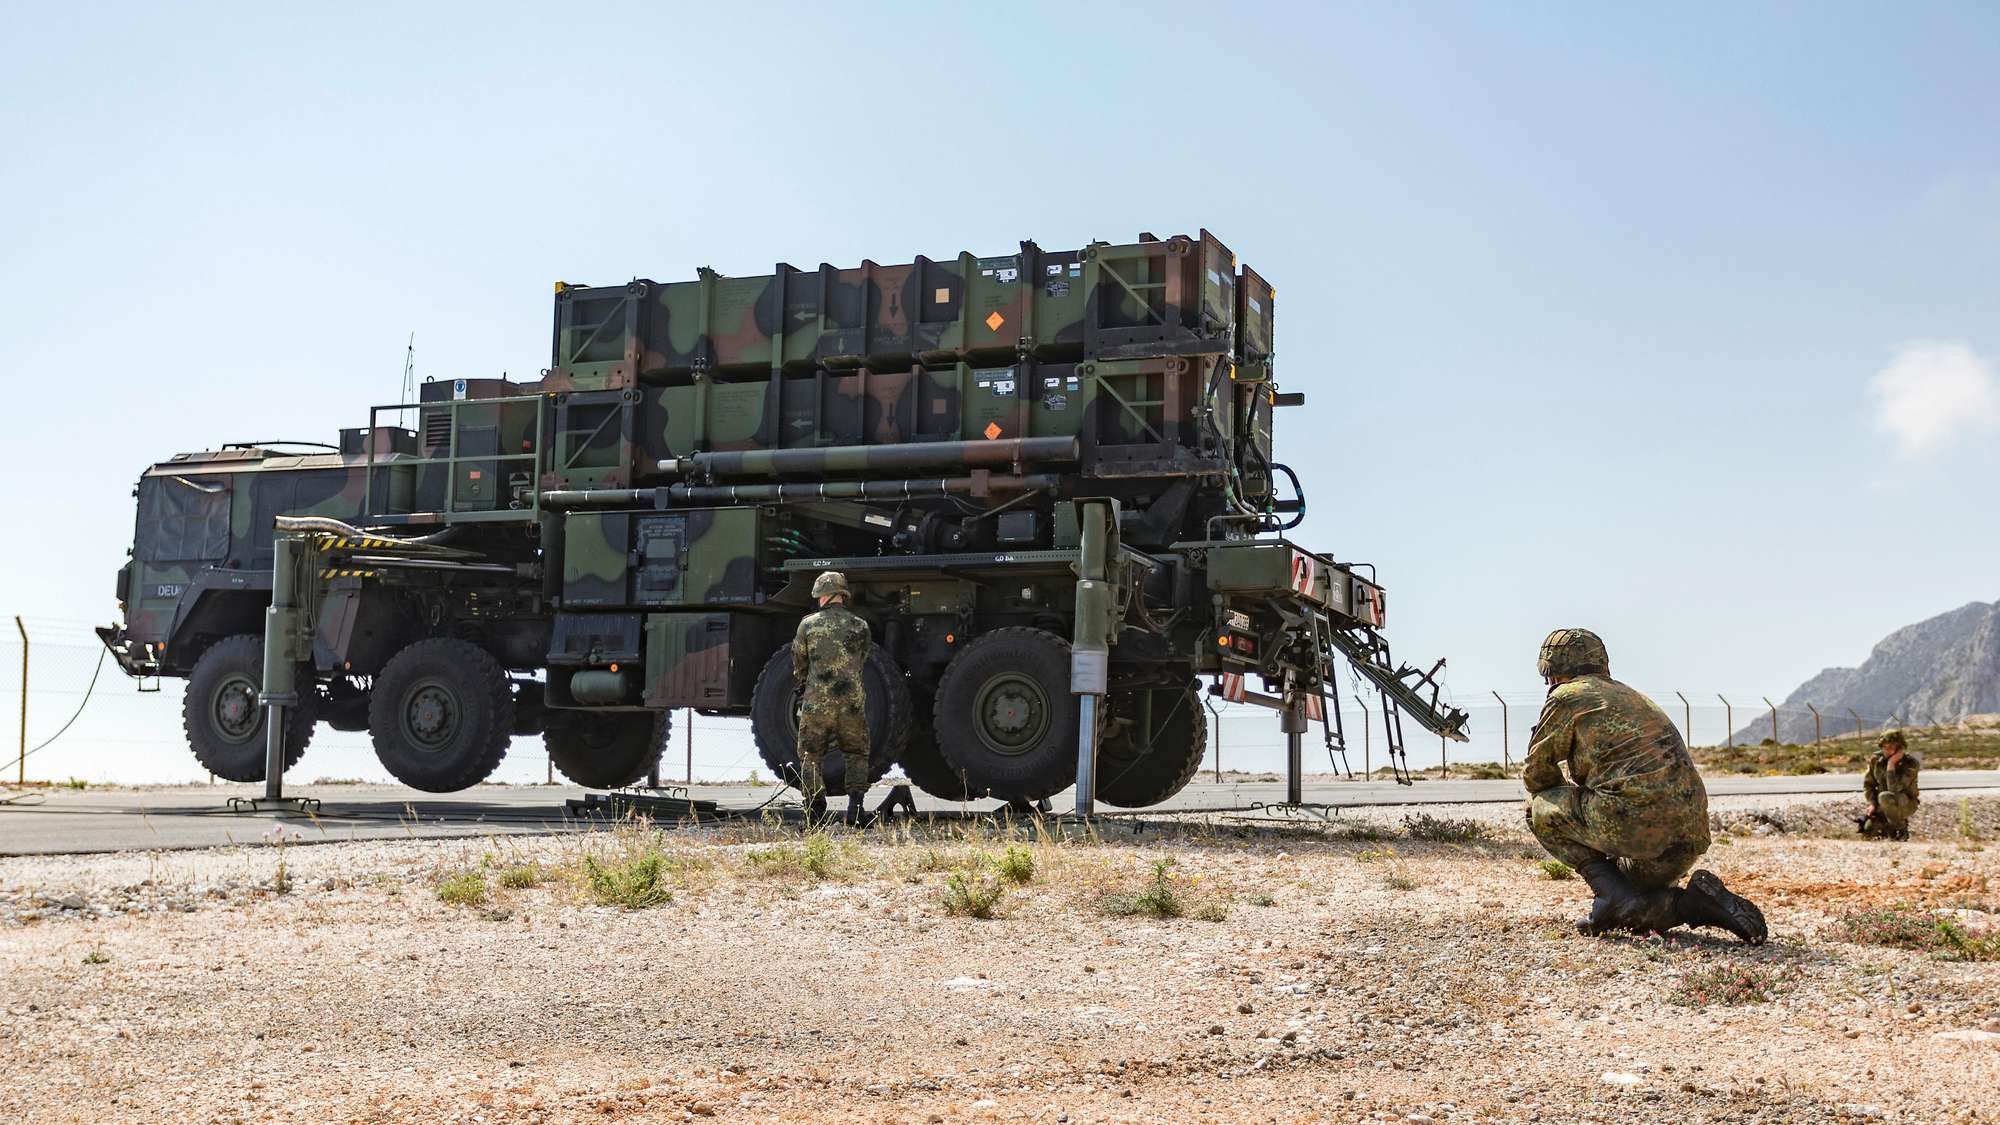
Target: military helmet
x,y
1573,652
1894,738
829,583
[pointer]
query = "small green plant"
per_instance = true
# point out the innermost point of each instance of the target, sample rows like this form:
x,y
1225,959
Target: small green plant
x,y
967,896
1556,870
463,888
633,883
1399,880
1158,899
521,876
336,781
1016,865
816,858
1214,910
1370,855
1445,830
1730,984
1901,927
1361,831
96,957
1967,833
76,783
1263,898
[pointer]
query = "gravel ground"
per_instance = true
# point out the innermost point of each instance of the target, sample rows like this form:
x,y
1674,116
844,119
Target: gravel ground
x,y
1315,974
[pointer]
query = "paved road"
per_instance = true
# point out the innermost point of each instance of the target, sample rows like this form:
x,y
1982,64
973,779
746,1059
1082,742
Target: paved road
x,y
103,820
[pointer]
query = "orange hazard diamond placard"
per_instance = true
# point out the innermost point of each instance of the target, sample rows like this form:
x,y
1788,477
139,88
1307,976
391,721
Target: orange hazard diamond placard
x,y
992,430
994,320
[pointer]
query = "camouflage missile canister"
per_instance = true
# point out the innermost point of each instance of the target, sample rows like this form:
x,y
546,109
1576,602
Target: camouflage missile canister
x,y
1150,297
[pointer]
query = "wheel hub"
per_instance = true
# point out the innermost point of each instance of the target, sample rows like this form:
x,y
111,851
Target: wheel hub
x,y
1013,713
430,716
235,708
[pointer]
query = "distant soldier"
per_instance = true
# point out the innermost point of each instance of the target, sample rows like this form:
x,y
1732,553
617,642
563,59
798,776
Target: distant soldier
x,y
1891,787
828,654
1632,816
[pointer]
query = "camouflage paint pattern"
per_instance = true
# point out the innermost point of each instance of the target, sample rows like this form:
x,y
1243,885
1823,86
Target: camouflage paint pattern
x,y
1893,789
1632,793
705,660
209,511
828,654
1153,294
692,557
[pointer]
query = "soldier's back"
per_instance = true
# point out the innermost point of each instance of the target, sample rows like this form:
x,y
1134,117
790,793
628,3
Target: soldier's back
x,y
835,641
1625,744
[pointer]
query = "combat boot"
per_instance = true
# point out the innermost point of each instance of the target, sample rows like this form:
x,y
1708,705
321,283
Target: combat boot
x,y
1706,902
858,815
1620,906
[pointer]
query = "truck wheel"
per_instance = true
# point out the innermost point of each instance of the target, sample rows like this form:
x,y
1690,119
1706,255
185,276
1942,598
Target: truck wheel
x,y
1005,718
924,765
775,725
225,726
440,715
609,749
1157,751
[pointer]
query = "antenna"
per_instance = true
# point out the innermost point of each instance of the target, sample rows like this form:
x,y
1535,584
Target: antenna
x,y
409,390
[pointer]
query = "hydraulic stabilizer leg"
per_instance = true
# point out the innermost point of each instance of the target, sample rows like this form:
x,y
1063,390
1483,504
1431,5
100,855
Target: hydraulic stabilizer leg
x,y
1090,643
280,678
1292,720
281,687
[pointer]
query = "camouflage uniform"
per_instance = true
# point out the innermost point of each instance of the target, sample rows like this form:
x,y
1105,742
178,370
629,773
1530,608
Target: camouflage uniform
x,y
1634,794
1891,791
827,658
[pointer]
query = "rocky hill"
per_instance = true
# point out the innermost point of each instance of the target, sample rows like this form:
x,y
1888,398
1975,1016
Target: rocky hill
x,y
1941,670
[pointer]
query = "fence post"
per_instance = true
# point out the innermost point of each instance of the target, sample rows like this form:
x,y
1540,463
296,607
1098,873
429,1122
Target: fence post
x,y
1209,703
1815,712
1367,769
1857,721
21,777
1687,719
1774,716
1728,720
1506,755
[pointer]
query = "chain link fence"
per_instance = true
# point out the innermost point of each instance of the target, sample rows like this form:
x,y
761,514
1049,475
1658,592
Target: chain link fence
x,y
84,720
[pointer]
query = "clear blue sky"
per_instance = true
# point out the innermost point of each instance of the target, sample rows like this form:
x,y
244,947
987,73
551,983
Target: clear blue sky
x,y
1587,304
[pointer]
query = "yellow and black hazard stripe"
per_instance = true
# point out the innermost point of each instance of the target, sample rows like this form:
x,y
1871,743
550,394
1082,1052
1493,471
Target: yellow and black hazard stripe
x,y
346,572
357,543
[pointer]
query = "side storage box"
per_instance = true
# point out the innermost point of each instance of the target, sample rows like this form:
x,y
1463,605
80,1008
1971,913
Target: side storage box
x,y
693,557
708,661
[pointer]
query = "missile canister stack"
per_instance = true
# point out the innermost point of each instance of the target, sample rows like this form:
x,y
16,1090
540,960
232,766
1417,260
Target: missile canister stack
x,y
1048,477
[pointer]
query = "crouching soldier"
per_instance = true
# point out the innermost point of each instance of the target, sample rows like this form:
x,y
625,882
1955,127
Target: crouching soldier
x,y
1632,816
1891,786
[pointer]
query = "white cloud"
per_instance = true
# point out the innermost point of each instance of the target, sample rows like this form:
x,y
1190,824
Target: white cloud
x,y
1933,393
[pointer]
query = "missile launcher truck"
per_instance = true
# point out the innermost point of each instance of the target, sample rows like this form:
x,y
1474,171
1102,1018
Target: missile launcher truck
x,y
1049,478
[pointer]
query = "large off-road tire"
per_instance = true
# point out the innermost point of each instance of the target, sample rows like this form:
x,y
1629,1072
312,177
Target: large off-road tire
x,y
220,712
440,715
923,764
1155,751
775,724
1005,718
606,749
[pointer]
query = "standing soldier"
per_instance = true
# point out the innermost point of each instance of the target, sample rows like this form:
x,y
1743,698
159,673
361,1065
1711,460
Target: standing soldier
x,y
1891,787
1632,816
828,654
